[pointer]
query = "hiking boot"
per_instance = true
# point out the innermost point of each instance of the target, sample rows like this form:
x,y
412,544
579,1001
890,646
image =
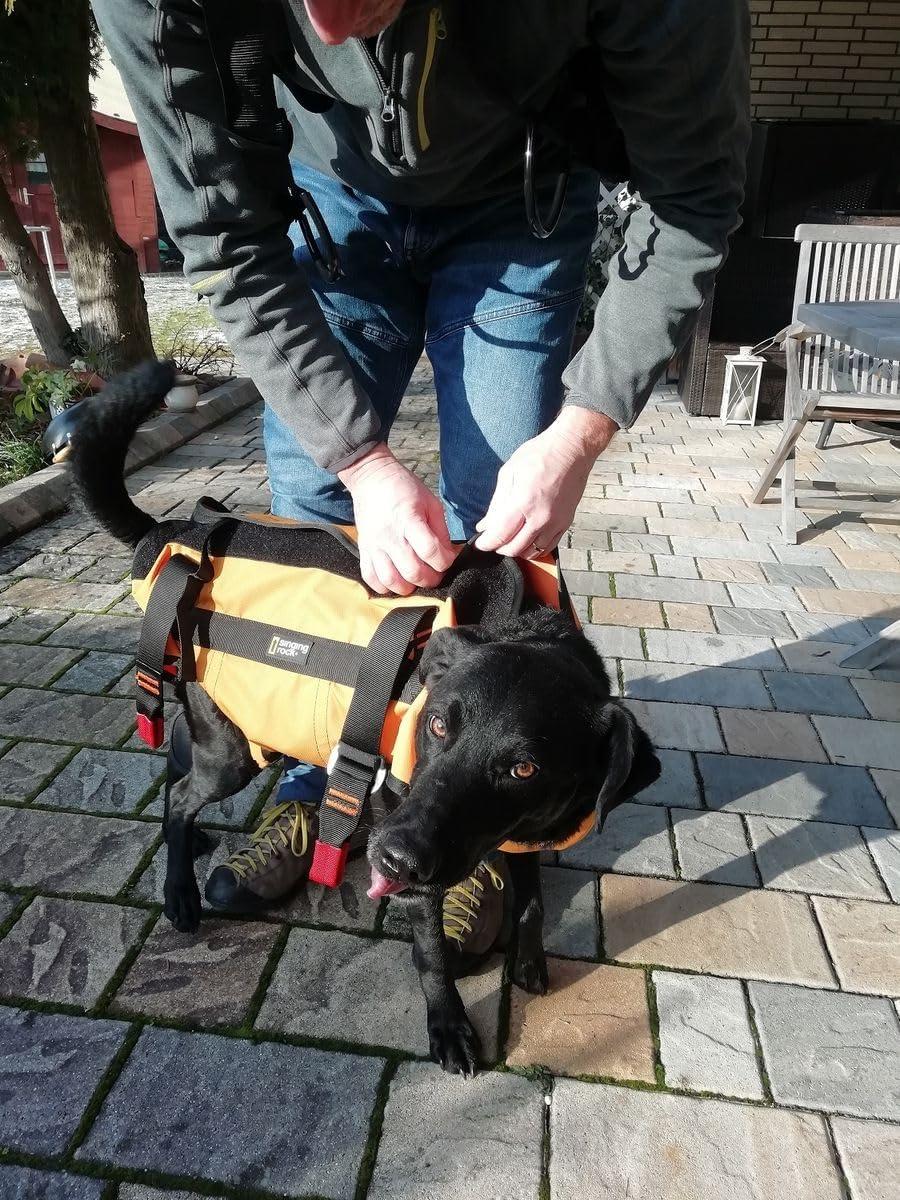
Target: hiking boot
x,y
277,859
475,912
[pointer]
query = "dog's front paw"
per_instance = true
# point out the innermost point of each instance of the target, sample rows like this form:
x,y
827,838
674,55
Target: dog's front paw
x,y
182,907
455,1045
529,971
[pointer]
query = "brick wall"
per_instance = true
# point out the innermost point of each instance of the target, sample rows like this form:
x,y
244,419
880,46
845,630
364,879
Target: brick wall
x,y
826,58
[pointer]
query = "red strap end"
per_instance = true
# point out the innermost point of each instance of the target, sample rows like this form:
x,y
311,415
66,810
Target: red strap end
x,y
151,730
328,863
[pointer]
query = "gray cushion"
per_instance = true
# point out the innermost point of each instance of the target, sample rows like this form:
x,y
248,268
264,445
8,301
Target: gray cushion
x,y
872,326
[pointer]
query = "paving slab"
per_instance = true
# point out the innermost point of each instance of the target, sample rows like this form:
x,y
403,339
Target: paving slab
x,y
888,784
747,622
65,718
881,698
706,1044
692,617
730,570
770,735
35,665
695,685
830,1050
137,1191
77,853
712,847
635,837
594,1020
829,694
678,726
50,1065
639,614
713,928
814,856
66,951
25,766
204,978
447,1138
571,913
27,1183
97,632
187,1087
712,650
884,846
784,788
95,673
31,626
335,985
870,1155
863,939
613,1141
106,781
615,641
677,783
866,743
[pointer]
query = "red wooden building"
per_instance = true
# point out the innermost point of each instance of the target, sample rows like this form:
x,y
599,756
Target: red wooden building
x,y
127,179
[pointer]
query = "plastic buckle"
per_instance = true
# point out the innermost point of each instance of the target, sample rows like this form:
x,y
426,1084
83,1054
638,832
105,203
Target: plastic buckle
x,y
356,761
151,730
328,863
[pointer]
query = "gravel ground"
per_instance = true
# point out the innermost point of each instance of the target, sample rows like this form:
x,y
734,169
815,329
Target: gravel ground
x,y
164,293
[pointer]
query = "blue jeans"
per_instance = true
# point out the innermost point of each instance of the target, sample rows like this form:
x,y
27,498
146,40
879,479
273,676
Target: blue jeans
x,y
493,307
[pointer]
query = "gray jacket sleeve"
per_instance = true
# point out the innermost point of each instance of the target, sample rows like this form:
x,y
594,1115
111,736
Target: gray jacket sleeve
x,y
234,240
677,80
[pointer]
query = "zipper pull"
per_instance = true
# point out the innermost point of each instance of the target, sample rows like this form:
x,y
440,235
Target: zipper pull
x,y
440,29
388,108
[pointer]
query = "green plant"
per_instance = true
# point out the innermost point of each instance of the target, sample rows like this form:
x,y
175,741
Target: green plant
x,y
192,339
20,450
45,391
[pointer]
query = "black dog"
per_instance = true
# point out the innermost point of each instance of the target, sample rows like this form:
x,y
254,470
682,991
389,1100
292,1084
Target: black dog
x,y
520,740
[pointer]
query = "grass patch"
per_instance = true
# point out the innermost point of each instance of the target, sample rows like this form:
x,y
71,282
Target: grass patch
x,y
20,448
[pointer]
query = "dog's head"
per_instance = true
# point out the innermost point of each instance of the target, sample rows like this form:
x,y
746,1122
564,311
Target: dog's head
x,y
519,740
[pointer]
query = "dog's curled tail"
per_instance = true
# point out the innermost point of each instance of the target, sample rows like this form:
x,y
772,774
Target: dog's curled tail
x,y
100,444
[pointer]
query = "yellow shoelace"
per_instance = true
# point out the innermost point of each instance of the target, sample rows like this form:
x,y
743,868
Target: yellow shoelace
x,y
462,902
271,835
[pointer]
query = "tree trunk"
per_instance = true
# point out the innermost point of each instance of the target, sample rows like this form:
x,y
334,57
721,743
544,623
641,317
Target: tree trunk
x,y
103,268
32,281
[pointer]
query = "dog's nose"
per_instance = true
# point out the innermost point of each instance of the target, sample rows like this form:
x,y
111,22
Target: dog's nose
x,y
401,862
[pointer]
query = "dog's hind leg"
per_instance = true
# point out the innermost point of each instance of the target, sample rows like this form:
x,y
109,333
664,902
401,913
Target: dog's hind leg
x,y
221,765
453,1042
529,967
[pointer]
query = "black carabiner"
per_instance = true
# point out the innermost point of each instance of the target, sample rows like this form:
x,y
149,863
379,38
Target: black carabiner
x,y
327,260
535,219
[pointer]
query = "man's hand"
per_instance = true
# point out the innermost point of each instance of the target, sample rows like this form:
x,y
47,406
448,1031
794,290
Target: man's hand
x,y
403,538
539,488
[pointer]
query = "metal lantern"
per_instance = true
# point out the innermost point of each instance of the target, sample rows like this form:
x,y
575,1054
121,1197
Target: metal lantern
x,y
740,394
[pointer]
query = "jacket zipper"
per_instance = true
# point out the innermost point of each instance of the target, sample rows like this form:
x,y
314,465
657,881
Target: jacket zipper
x,y
388,106
437,31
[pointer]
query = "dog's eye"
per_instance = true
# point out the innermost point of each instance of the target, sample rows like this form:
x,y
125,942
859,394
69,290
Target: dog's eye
x,y
524,770
437,726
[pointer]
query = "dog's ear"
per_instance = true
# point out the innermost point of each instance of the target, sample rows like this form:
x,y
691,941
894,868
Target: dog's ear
x,y
445,647
628,759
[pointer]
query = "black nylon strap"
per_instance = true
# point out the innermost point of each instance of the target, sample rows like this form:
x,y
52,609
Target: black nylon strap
x,y
169,608
356,761
300,653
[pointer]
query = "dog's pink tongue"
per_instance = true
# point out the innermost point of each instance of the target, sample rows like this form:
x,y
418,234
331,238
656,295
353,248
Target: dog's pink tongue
x,y
382,886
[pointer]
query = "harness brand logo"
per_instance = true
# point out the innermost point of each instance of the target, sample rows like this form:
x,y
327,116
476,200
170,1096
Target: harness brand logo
x,y
280,647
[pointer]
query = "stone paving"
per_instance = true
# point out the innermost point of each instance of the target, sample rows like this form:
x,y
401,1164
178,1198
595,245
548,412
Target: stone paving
x,y
724,959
